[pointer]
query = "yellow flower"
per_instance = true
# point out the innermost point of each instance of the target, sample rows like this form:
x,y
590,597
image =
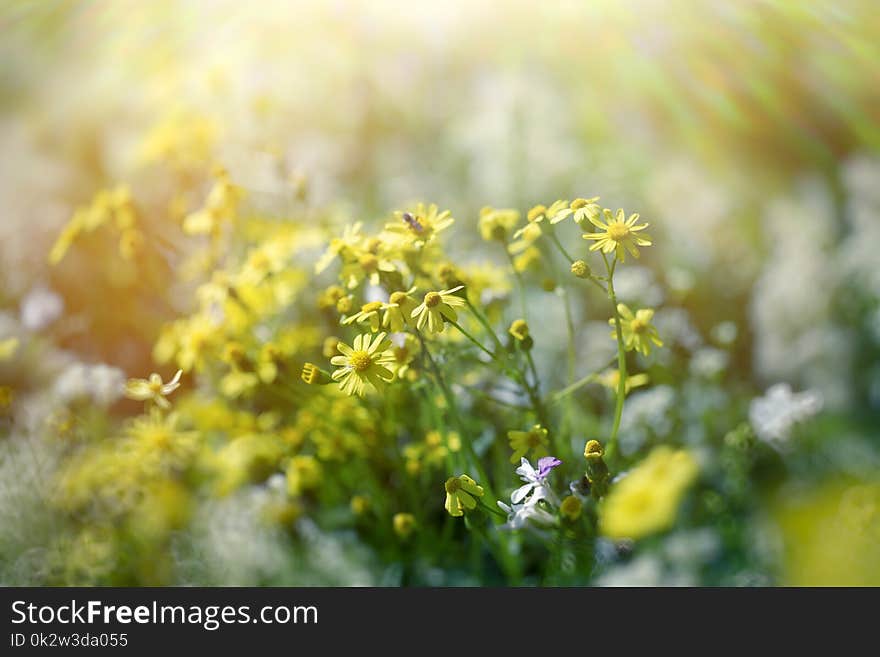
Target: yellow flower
x,y
363,363
523,239
221,205
359,505
519,329
404,355
495,225
522,442
313,375
368,266
303,473
420,225
611,379
157,444
268,259
153,389
268,362
460,494
582,210
646,500
436,306
581,269
571,507
530,257
831,533
557,211
351,239
369,314
637,330
618,234
196,335
527,235
398,310
404,524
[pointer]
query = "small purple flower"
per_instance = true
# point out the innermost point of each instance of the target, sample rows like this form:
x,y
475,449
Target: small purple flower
x,y
546,464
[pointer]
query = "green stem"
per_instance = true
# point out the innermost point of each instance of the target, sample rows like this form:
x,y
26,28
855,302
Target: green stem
x,y
453,409
568,416
559,246
577,385
537,404
486,325
471,338
621,360
519,283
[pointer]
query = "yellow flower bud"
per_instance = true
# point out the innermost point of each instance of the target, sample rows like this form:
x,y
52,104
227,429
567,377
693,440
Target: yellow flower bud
x,y
580,269
404,524
519,329
571,508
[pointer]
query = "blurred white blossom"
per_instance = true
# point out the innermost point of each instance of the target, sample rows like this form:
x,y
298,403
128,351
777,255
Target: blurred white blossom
x,y
773,415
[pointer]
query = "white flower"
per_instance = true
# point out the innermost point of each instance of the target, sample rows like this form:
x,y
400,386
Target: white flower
x,y
536,487
773,415
525,507
518,515
40,308
101,383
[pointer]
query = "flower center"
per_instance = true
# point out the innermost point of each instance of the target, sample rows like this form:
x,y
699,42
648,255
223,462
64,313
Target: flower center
x,y
360,360
618,231
638,326
578,203
369,262
371,307
452,484
534,438
397,297
432,299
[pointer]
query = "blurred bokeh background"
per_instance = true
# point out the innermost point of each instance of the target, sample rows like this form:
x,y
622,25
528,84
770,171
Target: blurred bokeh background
x,y
747,133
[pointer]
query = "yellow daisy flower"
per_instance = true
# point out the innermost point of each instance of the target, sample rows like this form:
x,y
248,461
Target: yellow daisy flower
x,y
460,494
398,310
367,266
618,234
581,209
420,225
522,442
404,354
153,389
495,225
646,500
351,238
638,332
364,362
369,314
436,306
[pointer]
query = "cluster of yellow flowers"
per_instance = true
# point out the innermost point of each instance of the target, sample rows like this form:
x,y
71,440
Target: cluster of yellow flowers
x,y
257,402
